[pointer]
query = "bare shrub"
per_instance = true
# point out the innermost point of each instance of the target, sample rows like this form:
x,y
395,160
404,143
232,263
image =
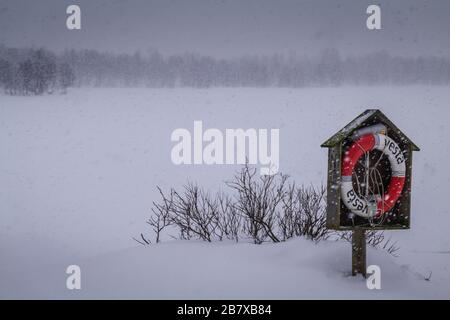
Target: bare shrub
x,y
258,200
304,213
260,208
144,241
228,219
391,247
160,219
376,239
195,213
289,217
312,204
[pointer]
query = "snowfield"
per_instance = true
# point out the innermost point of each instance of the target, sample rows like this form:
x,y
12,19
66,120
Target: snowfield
x,y
297,269
79,173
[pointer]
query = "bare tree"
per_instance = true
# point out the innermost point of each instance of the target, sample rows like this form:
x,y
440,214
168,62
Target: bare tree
x,y
66,76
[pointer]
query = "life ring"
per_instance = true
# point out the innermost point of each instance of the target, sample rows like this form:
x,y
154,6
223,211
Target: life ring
x,y
358,205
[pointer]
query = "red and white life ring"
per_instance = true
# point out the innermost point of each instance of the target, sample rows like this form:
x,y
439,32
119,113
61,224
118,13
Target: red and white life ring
x,y
351,199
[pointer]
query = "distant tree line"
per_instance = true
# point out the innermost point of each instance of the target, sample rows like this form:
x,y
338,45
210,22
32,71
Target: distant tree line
x,y
191,70
34,71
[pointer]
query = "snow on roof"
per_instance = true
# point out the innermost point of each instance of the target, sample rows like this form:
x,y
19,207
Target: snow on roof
x,y
360,120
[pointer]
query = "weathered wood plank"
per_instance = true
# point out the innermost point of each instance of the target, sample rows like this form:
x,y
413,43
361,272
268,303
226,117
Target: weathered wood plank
x,y
359,252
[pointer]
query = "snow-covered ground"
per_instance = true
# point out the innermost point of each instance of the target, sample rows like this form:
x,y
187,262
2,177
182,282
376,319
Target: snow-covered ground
x,y
297,269
78,174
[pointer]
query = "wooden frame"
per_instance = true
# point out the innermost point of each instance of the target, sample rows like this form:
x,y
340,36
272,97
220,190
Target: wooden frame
x,y
399,217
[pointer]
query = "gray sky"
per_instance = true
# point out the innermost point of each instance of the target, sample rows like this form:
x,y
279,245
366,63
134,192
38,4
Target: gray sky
x,y
225,28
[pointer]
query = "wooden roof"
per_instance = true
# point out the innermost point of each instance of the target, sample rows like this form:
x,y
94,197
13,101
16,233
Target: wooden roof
x,y
366,116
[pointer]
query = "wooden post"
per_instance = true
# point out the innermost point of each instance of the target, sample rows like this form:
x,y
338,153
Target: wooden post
x,y
359,252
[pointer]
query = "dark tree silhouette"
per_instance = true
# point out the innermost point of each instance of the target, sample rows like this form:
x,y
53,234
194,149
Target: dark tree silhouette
x,y
5,74
66,76
28,71
35,71
43,72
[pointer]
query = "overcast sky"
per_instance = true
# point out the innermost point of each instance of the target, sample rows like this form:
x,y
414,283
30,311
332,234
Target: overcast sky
x,y
225,28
